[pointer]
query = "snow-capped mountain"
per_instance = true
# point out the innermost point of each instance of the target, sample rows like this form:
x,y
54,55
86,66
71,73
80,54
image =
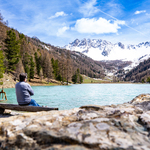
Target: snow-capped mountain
x,y
104,50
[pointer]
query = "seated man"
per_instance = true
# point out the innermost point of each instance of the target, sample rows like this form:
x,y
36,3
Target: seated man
x,y
24,92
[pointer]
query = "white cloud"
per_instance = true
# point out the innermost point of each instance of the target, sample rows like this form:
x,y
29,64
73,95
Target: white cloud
x,y
58,14
139,12
62,30
99,26
88,8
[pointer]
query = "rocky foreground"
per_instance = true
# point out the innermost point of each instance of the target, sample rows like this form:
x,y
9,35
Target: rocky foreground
x,y
123,126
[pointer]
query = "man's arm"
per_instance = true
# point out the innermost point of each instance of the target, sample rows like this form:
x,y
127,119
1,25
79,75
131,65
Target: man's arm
x,y
30,90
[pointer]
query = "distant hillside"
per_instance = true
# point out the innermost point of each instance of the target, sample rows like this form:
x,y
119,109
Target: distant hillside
x,y
85,64
140,73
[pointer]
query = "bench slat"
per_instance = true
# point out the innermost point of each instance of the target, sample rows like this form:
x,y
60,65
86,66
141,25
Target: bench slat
x,y
26,108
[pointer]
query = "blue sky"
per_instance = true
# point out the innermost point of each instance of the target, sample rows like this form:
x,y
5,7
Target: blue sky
x,y
60,22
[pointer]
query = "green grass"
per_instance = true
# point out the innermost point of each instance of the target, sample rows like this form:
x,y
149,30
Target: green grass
x,y
52,83
91,80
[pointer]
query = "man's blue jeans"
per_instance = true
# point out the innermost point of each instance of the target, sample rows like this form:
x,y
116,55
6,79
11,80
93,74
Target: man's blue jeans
x,y
33,103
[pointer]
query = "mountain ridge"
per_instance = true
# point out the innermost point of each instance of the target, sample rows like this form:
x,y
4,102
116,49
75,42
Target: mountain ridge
x,y
99,49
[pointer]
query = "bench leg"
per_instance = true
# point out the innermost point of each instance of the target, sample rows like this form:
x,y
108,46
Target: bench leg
x,y
2,110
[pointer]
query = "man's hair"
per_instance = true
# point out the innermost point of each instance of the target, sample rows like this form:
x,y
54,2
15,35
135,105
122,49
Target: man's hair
x,y
22,76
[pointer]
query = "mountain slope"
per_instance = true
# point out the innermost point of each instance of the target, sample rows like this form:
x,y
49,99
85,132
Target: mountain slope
x,y
139,73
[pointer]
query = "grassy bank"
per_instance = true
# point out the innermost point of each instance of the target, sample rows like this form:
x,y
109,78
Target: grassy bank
x,y
87,79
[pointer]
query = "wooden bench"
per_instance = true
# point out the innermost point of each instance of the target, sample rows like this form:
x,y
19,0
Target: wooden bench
x,y
24,108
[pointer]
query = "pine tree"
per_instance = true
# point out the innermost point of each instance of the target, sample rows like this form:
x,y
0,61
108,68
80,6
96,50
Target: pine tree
x,y
12,50
148,79
56,69
74,78
1,64
78,75
47,67
77,78
143,81
38,63
69,67
43,63
21,36
62,68
26,63
32,64
81,79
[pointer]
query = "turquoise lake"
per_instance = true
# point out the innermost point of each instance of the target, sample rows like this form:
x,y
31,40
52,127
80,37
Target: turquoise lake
x,y
68,97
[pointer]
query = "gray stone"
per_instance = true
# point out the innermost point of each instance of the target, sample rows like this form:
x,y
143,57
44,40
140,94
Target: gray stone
x,y
123,126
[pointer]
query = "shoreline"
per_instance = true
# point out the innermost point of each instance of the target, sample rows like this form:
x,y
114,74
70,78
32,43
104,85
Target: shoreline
x,y
8,82
38,84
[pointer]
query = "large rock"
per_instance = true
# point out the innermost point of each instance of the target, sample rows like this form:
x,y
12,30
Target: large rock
x,y
122,126
142,101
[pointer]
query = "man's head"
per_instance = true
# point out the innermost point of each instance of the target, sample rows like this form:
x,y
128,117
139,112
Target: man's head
x,y
22,77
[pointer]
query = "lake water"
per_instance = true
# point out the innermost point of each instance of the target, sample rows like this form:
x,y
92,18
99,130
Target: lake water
x,y
67,97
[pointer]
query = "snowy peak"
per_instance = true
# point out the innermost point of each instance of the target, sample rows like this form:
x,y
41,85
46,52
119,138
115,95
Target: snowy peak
x,y
86,44
121,45
99,49
75,43
89,43
103,44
